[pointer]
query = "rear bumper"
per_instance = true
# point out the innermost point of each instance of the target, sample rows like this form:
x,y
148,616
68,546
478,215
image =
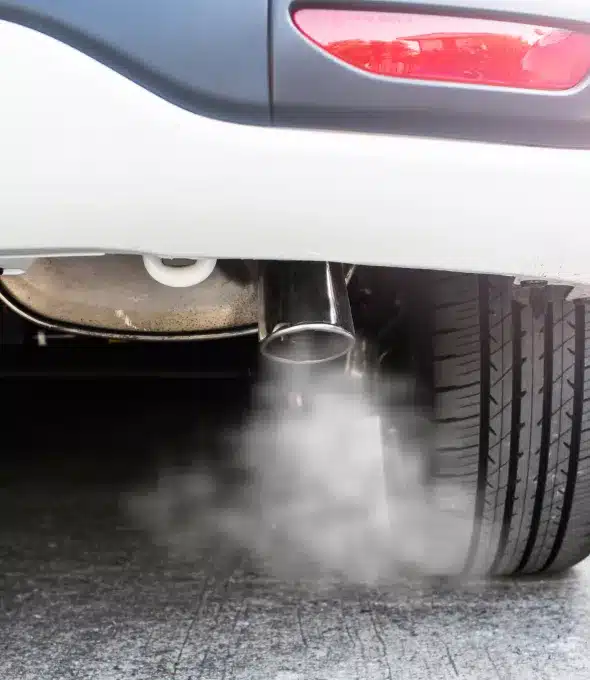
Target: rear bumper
x,y
91,162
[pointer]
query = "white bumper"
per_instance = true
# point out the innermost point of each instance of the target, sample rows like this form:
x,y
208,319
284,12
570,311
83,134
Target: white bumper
x,y
89,161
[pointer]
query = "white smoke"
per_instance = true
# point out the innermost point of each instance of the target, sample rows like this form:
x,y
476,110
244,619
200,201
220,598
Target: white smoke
x,y
311,491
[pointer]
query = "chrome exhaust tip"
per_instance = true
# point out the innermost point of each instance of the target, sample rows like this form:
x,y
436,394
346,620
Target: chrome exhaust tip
x,y
305,315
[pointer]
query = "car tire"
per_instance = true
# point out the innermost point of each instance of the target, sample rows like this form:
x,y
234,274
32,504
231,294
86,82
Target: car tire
x,y
511,392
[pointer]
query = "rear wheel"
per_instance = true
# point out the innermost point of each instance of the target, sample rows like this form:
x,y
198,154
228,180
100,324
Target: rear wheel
x,y
512,413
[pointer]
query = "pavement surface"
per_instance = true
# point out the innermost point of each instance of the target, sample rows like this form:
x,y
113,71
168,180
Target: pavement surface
x,y
85,594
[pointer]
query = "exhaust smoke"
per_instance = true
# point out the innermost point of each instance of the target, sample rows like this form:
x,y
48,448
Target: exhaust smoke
x,y
307,490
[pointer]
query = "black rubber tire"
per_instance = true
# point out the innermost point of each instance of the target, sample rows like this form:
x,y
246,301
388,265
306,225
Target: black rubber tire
x,y
512,414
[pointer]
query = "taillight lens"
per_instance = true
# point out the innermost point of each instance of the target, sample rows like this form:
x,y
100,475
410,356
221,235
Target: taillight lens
x,y
450,49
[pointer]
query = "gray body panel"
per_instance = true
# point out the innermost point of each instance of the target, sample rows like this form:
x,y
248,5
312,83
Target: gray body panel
x,y
313,89
209,56
560,11
244,61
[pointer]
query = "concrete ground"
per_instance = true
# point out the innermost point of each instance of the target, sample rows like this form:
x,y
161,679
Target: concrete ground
x,y
87,595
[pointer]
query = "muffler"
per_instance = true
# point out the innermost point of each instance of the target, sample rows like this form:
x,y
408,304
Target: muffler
x,y
305,315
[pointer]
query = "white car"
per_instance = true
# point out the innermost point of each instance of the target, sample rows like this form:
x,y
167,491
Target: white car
x,y
195,169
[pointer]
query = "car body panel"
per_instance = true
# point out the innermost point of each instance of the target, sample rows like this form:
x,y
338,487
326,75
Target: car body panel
x,y
246,62
311,88
563,11
208,57
92,162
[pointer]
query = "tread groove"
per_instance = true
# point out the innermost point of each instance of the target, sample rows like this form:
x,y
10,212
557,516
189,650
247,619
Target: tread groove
x,y
572,470
484,418
515,429
545,438
455,388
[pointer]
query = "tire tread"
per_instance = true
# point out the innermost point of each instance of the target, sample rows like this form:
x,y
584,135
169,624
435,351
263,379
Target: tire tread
x,y
512,414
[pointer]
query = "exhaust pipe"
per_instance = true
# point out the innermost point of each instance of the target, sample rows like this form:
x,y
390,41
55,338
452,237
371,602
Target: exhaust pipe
x,y
305,315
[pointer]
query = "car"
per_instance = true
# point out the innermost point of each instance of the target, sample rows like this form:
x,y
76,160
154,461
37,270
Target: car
x,y
309,173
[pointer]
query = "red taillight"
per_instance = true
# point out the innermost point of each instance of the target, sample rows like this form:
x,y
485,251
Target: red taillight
x,y
451,49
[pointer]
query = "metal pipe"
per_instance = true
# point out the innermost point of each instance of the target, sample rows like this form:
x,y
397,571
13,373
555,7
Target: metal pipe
x,y
305,315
